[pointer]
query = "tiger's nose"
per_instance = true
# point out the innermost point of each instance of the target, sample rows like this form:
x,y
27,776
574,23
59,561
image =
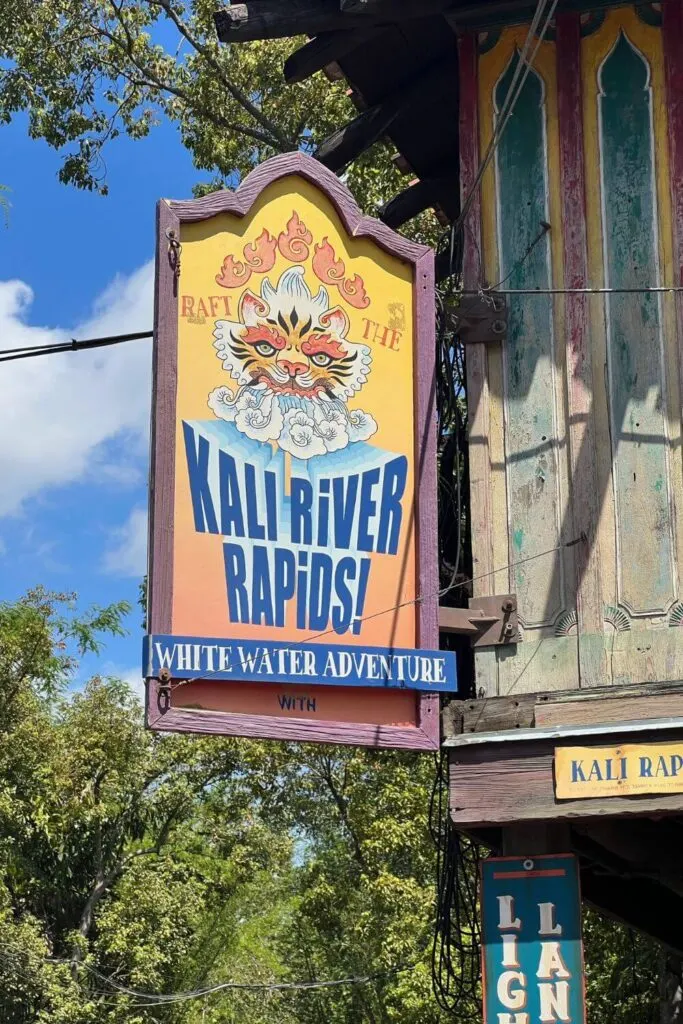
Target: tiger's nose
x,y
292,368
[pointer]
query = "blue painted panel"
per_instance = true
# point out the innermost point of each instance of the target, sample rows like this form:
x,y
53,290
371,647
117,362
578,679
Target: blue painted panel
x,y
248,661
531,940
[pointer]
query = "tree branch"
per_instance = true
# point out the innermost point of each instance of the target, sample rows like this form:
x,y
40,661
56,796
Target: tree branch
x,y
342,807
237,94
151,81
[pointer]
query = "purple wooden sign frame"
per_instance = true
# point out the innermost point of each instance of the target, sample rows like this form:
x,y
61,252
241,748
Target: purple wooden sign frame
x,y
170,215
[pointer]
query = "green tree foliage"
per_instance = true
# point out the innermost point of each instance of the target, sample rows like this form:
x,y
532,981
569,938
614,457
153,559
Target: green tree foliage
x,y
87,71
165,863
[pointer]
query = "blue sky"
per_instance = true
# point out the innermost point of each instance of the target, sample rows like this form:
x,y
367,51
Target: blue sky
x,y
74,428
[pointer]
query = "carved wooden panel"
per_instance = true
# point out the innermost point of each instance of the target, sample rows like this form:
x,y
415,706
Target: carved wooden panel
x,y
581,408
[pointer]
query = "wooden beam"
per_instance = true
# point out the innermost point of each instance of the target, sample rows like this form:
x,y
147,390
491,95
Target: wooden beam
x,y
325,49
651,849
640,904
505,783
394,10
348,142
536,837
417,198
275,19
485,14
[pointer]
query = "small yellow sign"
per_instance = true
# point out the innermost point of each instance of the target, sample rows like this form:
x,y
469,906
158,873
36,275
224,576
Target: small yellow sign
x,y
626,770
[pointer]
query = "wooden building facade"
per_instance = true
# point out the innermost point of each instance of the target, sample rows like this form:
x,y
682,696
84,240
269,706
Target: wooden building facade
x,y
575,455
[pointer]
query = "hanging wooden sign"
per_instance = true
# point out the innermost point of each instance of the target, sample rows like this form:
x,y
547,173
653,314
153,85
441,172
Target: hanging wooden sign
x,y
532,952
293,576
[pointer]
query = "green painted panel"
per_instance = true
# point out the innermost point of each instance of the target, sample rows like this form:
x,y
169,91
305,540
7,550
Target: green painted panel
x,y
530,436
634,334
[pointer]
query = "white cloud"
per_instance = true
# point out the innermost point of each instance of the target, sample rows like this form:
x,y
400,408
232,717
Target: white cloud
x,y
127,552
132,676
60,413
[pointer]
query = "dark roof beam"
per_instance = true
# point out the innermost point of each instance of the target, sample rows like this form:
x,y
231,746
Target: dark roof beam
x,y
275,19
423,195
348,142
394,10
325,49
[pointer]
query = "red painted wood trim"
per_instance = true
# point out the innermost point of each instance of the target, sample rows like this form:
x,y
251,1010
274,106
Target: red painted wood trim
x,y
476,357
672,37
584,479
426,512
426,735
469,156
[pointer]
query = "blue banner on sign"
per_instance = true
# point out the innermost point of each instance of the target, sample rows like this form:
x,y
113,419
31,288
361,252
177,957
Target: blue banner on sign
x,y
532,950
193,657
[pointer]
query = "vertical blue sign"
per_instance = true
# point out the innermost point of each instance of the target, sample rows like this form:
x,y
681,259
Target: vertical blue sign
x,y
532,952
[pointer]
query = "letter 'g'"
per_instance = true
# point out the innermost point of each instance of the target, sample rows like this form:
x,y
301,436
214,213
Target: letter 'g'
x,y
512,1000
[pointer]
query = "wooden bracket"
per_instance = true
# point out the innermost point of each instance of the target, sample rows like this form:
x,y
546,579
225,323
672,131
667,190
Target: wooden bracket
x,y
481,318
489,621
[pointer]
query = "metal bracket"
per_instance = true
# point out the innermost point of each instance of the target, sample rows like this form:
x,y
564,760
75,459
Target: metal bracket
x,y
489,621
481,319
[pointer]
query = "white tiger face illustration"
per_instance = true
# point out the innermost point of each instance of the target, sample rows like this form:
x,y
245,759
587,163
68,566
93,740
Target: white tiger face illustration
x,y
294,368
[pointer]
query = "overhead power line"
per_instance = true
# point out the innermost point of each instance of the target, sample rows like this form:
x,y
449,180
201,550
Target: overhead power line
x,y
29,351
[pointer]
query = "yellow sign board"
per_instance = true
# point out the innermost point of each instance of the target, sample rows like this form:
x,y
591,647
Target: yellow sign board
x,y
629,769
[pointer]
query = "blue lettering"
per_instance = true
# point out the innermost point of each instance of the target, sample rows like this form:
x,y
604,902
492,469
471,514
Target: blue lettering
x,y
255,529
301,502
261,597
323,513
320,590
235,578
284,582
271,504
344,508
231,506
342,613
393,487
577,772
198,472
368,509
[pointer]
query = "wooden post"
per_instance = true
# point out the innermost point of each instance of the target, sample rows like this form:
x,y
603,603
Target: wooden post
x,y
536,837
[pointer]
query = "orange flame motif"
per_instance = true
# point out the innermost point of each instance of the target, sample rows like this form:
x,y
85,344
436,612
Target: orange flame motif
x,y
295,242
260,255
353,290
233,273
328,269
295,245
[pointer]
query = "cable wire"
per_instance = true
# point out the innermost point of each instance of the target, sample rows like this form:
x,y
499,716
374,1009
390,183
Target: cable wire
x,y
28,352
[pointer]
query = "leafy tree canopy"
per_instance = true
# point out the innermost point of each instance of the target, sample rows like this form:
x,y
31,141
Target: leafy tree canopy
x,y
86,71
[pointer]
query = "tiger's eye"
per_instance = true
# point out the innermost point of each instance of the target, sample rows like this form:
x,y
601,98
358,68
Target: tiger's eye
x,y
264,348
320,359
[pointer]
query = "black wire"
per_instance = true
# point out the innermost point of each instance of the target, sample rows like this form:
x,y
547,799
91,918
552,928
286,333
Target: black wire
x,y
457,938
28,352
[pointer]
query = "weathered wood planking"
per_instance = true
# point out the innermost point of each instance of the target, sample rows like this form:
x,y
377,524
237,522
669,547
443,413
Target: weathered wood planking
x,y
530,518
625,709
581,432
495,784
584,407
